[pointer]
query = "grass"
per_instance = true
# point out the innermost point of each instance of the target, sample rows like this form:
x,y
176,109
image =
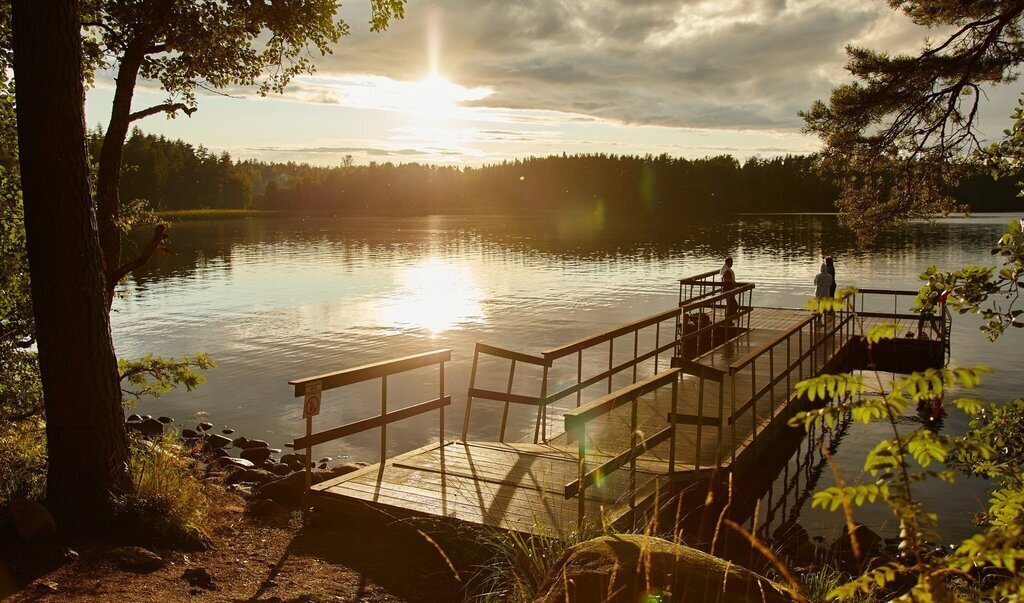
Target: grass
x,y
519,565
168,504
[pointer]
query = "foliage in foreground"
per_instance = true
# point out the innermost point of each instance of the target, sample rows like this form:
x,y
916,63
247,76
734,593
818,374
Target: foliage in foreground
x,y
898,463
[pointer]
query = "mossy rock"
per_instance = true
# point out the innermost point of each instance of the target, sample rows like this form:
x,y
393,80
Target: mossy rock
x,y
628,568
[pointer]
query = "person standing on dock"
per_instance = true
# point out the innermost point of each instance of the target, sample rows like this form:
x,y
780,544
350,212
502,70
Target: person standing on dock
x,y
824,284
831,264
728,283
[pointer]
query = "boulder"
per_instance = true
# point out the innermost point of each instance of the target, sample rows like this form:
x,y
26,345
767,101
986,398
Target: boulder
x,y
204,426
144,417
134,417
281,469
266,508
251,444
189,434
219,452
199,577
165,420
289,490
255,454
227,431
240,442
293,458
250,476
215,440
631,567
32,520
151,428
842,549
228,461
136,558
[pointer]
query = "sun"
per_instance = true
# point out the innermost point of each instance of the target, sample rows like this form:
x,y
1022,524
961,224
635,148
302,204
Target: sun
x,y
436,98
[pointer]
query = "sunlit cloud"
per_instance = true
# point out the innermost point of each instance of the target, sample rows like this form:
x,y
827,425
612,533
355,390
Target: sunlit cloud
x,y
433,97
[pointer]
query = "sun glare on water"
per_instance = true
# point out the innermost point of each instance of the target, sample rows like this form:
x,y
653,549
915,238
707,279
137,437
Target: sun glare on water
x,y
433,294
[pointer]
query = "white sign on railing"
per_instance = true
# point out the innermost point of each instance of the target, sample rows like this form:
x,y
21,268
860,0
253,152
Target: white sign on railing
x,y
311,406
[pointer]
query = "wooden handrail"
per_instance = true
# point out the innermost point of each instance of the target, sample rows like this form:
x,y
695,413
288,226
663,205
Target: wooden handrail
x,y
491,350
755,354
888,292
488,394
372,423
372,371
696,278
587,342
738,289
579,417
573,487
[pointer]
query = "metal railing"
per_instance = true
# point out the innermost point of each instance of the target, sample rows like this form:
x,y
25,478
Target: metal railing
x,y
576,424
826,335
508,397
548,358
710,319
380,370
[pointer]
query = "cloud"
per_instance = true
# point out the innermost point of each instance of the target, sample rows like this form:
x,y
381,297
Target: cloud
x,y
691,63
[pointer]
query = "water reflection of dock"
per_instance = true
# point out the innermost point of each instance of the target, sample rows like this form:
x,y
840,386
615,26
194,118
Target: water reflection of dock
x,y
607,454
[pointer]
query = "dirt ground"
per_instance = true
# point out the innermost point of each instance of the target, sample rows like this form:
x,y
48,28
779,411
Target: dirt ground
x,y
290,557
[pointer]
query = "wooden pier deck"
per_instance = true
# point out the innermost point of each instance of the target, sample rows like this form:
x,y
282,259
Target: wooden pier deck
x,y
623,452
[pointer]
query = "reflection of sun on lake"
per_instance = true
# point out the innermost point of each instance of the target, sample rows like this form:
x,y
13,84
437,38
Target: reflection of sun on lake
x,y
435,295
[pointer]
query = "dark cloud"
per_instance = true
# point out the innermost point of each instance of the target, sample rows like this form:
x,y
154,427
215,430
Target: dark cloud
x,y
707,63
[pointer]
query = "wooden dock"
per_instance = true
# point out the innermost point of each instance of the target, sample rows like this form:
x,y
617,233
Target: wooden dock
x,y
708,393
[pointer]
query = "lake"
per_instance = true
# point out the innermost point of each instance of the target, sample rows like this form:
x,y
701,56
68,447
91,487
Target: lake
x,y
273,299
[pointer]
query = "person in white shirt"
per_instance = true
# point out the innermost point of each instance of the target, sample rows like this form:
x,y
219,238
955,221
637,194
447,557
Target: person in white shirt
x,y
823,282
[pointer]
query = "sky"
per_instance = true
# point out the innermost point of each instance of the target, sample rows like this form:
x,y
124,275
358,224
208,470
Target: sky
x,y
473,82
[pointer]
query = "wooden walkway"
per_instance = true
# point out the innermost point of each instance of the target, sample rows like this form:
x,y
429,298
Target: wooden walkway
x,y
620,454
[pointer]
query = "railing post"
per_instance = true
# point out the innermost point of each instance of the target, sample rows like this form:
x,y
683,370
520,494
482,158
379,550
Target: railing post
x,y
632,456
611,353
581,494
579,377
657,342
789,364
800,340
721,421
384,427
440,427
309,454
542,412
469,398
700,420
636,347
753,401
504,413
771,379
732,414
672,425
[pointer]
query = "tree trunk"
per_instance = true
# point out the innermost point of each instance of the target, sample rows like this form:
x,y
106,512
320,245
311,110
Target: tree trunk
x,y
86,440
108,176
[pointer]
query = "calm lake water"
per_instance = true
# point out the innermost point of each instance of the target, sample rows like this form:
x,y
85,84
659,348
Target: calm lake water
x,y
273,299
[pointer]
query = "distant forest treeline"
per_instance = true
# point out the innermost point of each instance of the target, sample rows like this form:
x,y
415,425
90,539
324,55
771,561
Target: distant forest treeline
x,y
173,175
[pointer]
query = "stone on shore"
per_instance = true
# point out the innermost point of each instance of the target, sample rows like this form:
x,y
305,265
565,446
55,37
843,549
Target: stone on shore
x,y
215,440
136,558
637,568
32,520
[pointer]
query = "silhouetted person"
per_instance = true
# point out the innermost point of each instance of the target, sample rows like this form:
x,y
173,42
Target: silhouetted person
x,y
831,264
823,283
728,284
